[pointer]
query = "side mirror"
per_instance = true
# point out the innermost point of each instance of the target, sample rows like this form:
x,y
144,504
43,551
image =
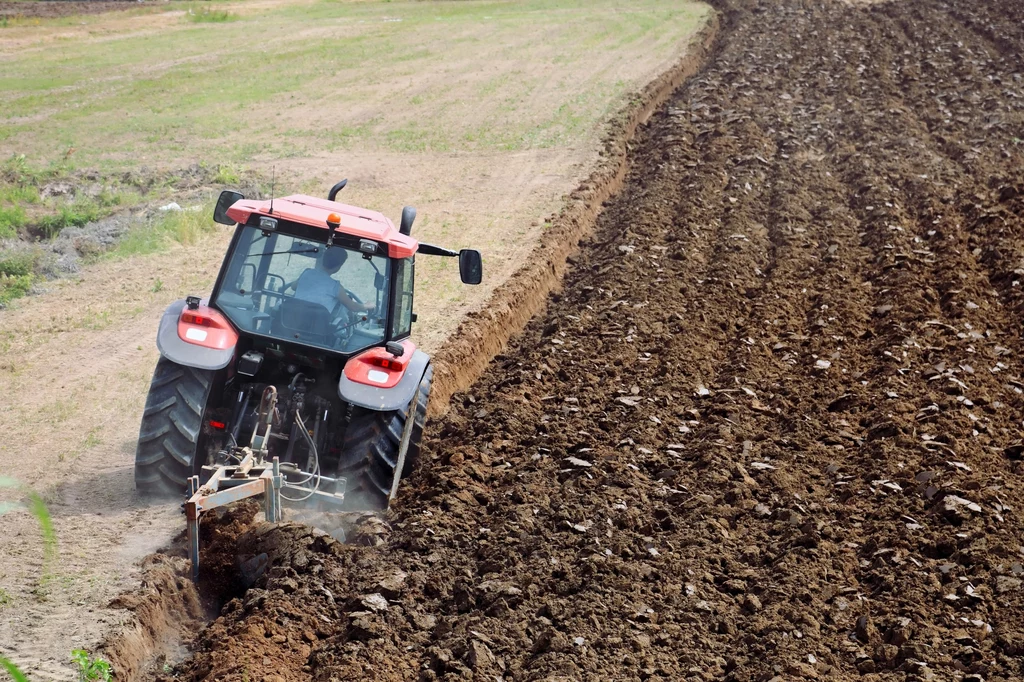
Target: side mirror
x,y
471,267
225,201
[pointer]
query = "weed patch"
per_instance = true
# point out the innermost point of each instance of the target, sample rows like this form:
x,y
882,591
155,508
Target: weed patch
x,y
12,219
227,175
209,16
16,275
18,264
68,215
182,227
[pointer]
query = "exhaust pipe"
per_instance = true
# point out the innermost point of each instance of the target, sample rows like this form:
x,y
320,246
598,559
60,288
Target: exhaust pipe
x,y
337,188
408,216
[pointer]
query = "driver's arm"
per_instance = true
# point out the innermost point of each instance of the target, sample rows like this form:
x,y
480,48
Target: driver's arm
x,y
353,305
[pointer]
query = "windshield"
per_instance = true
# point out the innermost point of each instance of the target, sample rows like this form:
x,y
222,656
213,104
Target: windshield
x,y
297,290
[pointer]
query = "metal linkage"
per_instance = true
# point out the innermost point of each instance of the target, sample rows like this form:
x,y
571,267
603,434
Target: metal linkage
x,y
253,476
403,447
230,484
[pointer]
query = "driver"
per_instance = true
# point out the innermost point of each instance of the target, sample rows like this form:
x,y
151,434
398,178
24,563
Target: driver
x,y
317,286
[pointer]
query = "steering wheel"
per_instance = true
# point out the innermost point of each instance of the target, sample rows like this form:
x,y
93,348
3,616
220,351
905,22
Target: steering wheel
x,y
344,322
362,316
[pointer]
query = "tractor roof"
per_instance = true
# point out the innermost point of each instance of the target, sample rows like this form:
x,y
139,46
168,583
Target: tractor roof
x,y
355,221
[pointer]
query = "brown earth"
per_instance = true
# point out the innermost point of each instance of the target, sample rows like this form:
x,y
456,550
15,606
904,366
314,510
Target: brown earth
x,y
48,9
771,427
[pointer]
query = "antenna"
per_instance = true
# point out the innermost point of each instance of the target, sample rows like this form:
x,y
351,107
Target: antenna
x,y
273,179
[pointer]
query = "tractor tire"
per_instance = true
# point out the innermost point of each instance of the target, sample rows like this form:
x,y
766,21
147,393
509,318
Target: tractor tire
x,y
171,424
369,454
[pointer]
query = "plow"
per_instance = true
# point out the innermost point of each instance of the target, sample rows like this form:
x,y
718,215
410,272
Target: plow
x,y
296,380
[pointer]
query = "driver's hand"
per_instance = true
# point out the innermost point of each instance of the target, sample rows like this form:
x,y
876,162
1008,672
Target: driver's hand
x,y
369,307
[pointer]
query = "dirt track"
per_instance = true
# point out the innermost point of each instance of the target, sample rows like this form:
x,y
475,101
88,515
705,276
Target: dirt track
x,y
769,429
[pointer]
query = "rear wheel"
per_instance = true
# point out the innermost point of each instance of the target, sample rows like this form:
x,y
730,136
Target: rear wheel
x,y
171,425
372,447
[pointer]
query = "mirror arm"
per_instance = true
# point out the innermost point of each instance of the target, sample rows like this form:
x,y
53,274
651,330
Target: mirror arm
x,y
431,250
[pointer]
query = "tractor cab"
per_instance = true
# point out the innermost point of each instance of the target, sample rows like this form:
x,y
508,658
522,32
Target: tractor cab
x,y
314,272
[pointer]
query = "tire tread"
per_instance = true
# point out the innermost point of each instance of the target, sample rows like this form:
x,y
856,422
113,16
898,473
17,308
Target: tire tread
x,y
371,447
169,433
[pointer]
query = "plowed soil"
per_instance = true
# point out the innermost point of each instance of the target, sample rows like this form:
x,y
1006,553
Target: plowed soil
x,y
769,429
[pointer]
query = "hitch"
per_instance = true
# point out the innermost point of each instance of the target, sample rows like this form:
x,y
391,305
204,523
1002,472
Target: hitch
x,y
253,476
231,484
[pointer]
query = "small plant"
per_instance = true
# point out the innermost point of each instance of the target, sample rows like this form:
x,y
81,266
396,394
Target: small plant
x,y
12,670
92,439
17,171
14,287
17,275
91,669
35,505
17,264
226,175
186,227
158,285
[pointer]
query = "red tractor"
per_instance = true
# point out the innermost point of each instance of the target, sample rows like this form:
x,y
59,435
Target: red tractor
x,y
301,354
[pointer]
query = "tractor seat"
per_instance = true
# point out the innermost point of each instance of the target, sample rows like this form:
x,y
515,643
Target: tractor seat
x,y
305,322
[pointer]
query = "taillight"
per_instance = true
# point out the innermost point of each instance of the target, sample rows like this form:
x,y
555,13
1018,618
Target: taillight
x,y
363,368
192,318
206,327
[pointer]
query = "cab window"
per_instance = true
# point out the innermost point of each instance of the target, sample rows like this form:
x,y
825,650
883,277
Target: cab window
x,y
403,298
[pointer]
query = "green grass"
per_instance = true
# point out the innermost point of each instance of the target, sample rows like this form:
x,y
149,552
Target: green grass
x,y
19,194
12,219
181,227
227,175
352,82
74,214
393,78
37,507
17,275
17,264
209,16
12,670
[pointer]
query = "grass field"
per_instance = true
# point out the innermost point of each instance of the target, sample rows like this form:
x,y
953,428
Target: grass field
x,y
247,83
478,112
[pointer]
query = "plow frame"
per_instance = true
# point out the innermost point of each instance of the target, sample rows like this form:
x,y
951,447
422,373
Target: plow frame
x,y
231,484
